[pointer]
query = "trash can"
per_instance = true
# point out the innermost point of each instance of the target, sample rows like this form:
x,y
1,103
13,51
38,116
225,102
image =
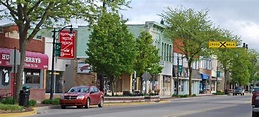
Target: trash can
x,y
24,96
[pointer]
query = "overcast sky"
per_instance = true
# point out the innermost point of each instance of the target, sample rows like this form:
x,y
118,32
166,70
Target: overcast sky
x,y
239,16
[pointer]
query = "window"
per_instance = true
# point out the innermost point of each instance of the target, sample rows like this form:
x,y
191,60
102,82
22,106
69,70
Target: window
x,y
95,89
32,77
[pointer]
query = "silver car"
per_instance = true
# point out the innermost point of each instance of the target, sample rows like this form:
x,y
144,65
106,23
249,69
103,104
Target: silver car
x,y
239,90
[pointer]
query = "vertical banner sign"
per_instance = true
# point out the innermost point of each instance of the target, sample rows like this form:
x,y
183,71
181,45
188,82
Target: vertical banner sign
x,y
67,44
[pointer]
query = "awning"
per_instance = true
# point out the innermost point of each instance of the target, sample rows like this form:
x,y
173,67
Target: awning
x,y
205,76
33,60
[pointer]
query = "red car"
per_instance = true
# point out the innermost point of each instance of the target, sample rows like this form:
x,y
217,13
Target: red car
x,y
255,102
82,96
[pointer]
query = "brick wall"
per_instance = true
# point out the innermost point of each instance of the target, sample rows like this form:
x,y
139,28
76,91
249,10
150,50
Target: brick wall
x,y
37,94
84,78
9,39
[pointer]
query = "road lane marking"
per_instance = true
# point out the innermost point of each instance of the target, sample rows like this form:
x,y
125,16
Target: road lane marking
x,y
189,112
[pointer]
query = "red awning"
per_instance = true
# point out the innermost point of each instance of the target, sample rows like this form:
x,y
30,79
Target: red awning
x,y
33,60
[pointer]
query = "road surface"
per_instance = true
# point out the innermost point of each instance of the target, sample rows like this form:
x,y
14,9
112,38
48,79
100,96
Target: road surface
x,y
207,106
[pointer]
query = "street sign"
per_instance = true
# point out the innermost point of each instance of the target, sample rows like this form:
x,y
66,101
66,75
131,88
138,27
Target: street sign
x,y
15,56
180,68
218,73
222,44
146,76
57,49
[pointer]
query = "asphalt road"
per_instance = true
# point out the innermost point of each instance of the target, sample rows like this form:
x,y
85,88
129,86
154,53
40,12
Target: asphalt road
x,y
207,106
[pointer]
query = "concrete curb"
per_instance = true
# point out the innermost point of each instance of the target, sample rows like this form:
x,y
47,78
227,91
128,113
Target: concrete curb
x,y
110,104
22,114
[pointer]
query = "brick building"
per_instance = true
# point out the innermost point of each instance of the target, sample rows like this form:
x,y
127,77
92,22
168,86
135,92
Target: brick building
x,y
35,62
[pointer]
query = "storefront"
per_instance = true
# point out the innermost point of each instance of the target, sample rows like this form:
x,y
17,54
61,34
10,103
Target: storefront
x,y
204,85
33,74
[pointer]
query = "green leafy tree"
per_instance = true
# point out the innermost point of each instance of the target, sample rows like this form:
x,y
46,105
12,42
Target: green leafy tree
x,y
33,14
239,69
225,56
193,29
147,58
111,47
253,65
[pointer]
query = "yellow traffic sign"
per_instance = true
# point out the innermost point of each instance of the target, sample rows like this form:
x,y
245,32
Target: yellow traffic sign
x,y
222,44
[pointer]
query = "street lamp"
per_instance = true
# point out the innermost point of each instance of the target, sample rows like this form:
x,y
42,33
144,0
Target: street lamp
x,y
53,56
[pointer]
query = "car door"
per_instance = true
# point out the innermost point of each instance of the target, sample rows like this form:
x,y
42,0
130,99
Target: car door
x,y
92,95
98,95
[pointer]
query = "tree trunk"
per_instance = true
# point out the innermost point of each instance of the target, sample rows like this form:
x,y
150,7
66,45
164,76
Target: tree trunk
x,y
225,81
112,85
190,78
19,75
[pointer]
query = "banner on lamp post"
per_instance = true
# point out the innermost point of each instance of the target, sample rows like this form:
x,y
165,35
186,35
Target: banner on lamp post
x,y
67,41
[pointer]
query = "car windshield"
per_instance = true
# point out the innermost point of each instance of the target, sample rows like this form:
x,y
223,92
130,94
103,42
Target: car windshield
x,y
79,89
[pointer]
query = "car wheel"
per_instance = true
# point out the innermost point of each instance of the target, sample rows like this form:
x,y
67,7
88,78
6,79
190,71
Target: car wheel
x,y
101,103
63,107
87,104
254,114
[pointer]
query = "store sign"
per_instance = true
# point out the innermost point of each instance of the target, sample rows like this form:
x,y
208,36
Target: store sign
x,y
67,44
32,60
83,68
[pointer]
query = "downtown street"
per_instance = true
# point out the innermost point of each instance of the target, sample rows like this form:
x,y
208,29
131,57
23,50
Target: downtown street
x,y
205,106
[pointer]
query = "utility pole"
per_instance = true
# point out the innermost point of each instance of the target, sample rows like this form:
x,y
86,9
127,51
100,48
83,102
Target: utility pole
x,y
177,85
217,75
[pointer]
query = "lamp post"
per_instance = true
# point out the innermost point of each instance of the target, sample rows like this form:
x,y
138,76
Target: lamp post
x,y
177,77
53,57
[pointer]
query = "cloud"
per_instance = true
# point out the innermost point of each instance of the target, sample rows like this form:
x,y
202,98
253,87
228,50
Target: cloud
x,y
237,16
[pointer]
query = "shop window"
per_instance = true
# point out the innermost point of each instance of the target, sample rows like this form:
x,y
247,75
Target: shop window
x,y
32,77
5,76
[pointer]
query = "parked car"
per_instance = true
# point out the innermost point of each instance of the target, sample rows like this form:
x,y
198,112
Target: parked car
x,y
239,90
255,102
82,96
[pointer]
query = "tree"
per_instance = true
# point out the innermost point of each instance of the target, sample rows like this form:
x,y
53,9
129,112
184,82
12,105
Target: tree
x,y
147,58
193,29
33,14
111,47
225,56
239,69
253,65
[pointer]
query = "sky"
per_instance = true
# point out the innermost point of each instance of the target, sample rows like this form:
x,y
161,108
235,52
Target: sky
x,y
241,17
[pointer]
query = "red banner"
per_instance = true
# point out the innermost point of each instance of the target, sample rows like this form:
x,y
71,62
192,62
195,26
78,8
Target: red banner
x,y
67,44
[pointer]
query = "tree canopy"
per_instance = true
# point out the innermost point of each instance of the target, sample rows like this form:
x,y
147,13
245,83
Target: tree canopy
x,y
147,58
34,14
193,29
111,47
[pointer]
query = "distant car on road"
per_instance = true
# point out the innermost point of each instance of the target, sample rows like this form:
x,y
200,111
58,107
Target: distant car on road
x,y
255,102
82,96
239,90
